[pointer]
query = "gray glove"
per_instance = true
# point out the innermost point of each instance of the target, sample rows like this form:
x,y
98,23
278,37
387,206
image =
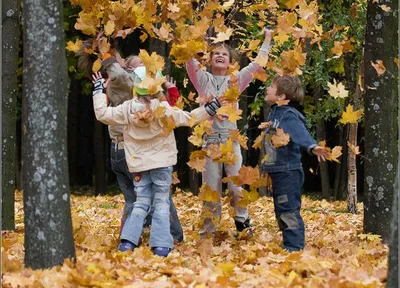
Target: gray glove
x,y
212,107
98,86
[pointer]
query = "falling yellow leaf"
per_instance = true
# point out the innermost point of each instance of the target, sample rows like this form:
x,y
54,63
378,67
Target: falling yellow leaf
x,y
337,90
280,138
264,125
223,36
265,158
96,65
231,112
175,178
207,194
379,67
241,139
335,153
73,47
109,28
259,140
311,170
353,148
197,160
350,116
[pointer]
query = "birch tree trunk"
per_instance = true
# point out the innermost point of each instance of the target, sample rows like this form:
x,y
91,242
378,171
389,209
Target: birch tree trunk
x,y
10,38
351,157
47,214
380,117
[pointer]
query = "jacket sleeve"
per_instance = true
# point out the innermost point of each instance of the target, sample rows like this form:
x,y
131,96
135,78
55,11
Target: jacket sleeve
x,y
183,118
173,95
117,75
290,123
197,76
245,75
119,115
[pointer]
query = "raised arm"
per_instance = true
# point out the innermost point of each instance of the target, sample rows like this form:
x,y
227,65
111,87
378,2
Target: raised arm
x,y
197,76
245,75
108,115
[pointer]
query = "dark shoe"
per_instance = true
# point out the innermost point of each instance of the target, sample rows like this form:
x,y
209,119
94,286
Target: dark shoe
x,y
245,225
126,245
161,251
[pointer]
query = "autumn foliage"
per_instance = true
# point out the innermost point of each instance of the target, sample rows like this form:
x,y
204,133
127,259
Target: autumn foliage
x,y
337,253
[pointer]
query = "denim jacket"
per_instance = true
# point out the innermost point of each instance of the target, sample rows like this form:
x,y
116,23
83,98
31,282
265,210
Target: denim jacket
x,y
288,157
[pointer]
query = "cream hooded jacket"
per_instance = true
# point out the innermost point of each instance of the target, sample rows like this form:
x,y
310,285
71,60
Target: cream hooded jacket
x,y
145,145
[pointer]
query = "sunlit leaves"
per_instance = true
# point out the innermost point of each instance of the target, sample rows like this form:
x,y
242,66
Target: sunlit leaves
x,y
231,112
336,152
351,116
197,160
280,138
353,148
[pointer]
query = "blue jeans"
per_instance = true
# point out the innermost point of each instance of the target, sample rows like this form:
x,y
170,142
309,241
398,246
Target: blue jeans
x,y
125,182
286,186
152,188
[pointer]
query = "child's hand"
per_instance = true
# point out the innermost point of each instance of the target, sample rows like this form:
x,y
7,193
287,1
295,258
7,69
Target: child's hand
x,y
170,82
99,84
268,35
321,153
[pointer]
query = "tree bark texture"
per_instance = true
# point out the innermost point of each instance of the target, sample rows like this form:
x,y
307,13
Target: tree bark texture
x,y
10,38
380,117
323,168
393,275
48,224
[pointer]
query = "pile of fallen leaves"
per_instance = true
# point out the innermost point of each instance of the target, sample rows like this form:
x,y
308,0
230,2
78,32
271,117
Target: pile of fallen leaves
x,y
337,252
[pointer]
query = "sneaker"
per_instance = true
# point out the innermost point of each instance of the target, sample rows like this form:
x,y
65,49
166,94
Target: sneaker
x,y
245,225
161,251
126,245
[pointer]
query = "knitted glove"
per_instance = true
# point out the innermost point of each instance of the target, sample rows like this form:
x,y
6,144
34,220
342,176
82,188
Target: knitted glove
x,y
212,107
98,86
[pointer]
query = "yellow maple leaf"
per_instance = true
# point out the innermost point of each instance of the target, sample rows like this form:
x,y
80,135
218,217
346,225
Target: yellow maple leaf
x,y
159,111
379,67
168,124
232,93
241,139
264,125
222,36
259,140
337,49
104,46
207,194
73,47
143,37
385,8
227,268
280,138
353,148
96,65
152,84
109,28
292,60
281,38
164,33
396,60
350,116
335,153
173,8
187,50
286,21
261,75
246,175
87,23
231,112
197,160
153,62
337,90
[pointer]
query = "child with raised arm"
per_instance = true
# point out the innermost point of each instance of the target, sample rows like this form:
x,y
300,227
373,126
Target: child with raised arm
x,y
283,163
119,90
214,84
150,156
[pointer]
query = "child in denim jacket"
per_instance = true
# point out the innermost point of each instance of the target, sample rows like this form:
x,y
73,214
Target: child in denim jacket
x,y
283,164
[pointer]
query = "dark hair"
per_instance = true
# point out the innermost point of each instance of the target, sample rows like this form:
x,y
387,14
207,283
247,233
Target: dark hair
x,y
290,86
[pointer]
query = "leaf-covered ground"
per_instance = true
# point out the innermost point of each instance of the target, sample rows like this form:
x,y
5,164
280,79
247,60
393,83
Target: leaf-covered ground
x,y
337,252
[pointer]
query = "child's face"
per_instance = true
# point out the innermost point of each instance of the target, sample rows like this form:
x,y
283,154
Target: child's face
x,y
271,97
134,63
220,58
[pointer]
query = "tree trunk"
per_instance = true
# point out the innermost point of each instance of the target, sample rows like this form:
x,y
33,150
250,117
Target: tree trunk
x,y
380,117
351,157
340,181
48,226
323,168
10,39
393,275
